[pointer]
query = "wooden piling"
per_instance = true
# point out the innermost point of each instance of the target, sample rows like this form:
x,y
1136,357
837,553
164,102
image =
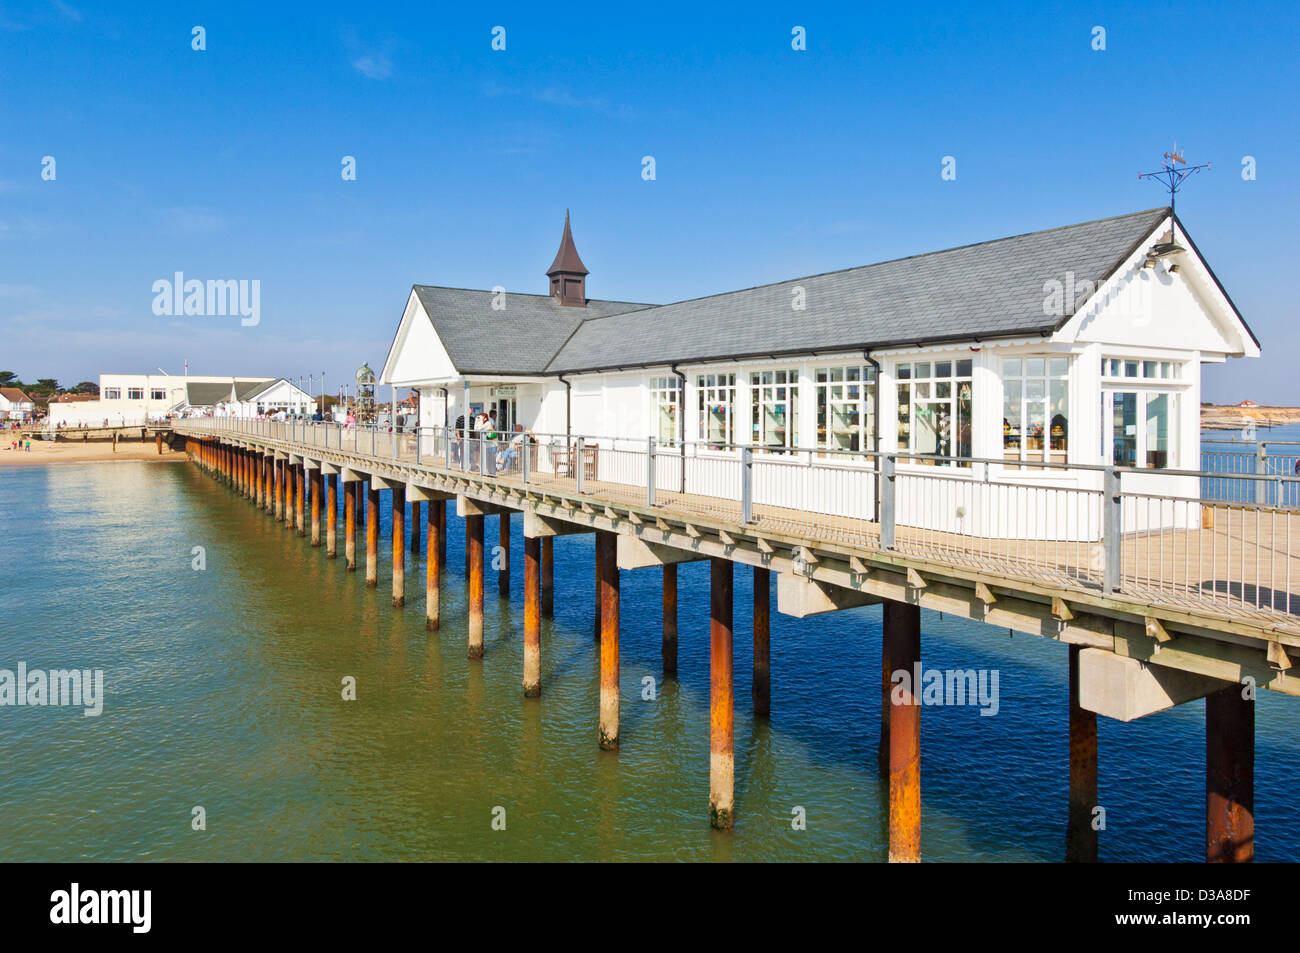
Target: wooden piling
x,y
532,617
607,591
1229,776
474,551
548,576
761,689
350,524
503,540
399,547
331,515
317,481
903,633
372,534
722,732
415,527
157,440
669,651
432,569
1080,835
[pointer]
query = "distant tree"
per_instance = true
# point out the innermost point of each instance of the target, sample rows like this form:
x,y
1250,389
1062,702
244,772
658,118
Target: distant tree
x,y
86,387
9,379
46,385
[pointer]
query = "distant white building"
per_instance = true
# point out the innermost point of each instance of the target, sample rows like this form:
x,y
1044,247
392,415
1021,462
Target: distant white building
x,y
130,399
14,404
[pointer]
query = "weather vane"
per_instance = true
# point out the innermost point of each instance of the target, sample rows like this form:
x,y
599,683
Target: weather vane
x,y
1171,175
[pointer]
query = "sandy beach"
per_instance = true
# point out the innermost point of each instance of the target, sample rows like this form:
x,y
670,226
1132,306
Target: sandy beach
x,y
58,451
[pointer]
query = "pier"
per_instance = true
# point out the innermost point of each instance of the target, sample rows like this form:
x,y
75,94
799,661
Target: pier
x,y
1161,598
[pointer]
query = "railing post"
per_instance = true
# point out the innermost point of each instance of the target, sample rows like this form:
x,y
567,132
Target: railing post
x,y
1112,530
747,485
482,454
417,446
579,464
394,441
523,459
650,472
887,510
1261,467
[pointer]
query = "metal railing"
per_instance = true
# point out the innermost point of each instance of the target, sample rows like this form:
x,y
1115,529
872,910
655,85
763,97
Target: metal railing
x,y
1153,534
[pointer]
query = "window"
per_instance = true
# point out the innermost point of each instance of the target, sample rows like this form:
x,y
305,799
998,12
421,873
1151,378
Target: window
x,y
112,393
1141,428
1036,408
846,404
135,393
1118,367
717,397
665,403
774,409
157,393
934,408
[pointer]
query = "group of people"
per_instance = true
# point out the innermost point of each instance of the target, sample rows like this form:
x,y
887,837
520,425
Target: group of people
x,y
483,432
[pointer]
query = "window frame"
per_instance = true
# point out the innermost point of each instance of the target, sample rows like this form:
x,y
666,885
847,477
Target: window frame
x,y
1022,379
765,395
659,393
825,403
954,379
708,390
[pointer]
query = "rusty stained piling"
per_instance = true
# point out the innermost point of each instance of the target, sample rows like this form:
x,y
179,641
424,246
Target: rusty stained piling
x,y
259,479
399,547
722,713
442,534
1080,835
157,439
903,633
277,492
300,499
669,651
331,515
607,592
532,617
503,540
432,569
290,490
350,524
761,690
474,554
548,576
415,528
1229,776
372,534
317,483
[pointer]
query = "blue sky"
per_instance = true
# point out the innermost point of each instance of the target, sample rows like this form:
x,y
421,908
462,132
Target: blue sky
x,y
770,163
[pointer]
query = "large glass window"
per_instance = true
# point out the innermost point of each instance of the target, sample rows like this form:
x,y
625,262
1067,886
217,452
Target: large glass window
x,y
1141,428
112,393
774,409
717,399
846,407
135,393
934,408
1036,408
157,393
1119,367
665,404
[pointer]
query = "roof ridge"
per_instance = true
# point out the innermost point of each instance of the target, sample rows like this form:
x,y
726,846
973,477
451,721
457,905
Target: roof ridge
x,y
528,294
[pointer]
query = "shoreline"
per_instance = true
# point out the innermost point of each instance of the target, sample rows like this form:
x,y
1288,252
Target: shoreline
x,y
53,453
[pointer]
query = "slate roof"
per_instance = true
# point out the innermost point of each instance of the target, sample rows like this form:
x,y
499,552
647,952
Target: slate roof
x,y
520,339
989,289
199,394
972,292
250,389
